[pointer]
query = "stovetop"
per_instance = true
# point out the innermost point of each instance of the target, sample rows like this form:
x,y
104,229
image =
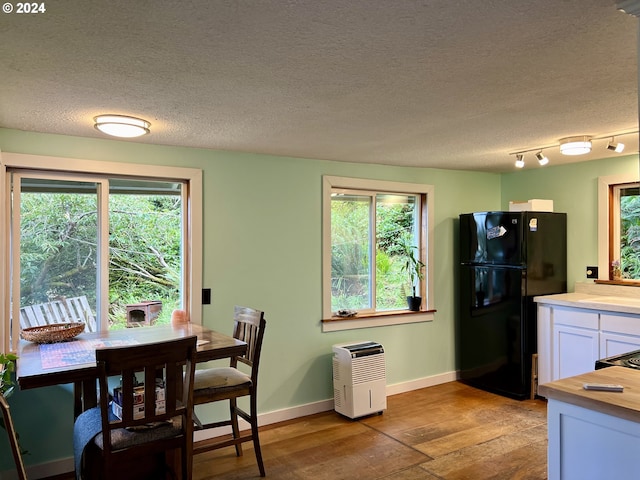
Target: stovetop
x,y
630,360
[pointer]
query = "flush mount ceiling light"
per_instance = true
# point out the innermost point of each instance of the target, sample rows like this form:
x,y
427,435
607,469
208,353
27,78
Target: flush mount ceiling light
x,y
575,145
615,146
542,159
519,160
122,125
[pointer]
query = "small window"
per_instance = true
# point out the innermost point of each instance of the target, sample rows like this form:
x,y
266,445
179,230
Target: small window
x,y
625,248
369,228
619,220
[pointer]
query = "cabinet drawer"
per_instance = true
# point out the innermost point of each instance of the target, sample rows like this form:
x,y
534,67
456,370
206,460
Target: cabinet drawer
x,y
575,318
629,324
612,344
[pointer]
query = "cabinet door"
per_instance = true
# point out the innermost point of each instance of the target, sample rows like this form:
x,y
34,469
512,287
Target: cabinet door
x,y
575,351
616,344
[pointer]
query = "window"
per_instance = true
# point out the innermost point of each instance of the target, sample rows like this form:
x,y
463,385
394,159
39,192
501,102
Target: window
x,y
619,229
367,227
102,241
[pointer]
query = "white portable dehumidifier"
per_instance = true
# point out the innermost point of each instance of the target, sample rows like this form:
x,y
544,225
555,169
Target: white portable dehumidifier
x,y
359,379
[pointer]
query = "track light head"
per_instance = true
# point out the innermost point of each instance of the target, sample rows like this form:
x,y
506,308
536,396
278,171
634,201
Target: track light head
x,y
615,146
519,160
542,159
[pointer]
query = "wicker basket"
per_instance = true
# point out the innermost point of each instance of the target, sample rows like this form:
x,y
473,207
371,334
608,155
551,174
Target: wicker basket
x,y
58,332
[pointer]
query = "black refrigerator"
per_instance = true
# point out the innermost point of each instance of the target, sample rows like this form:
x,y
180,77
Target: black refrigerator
x,y
506,258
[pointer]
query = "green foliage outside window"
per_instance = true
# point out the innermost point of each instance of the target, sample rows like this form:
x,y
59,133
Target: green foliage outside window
x,y
630,234
59,250
350,259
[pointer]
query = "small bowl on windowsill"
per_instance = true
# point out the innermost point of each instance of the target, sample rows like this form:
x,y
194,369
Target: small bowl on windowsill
x,y
343,313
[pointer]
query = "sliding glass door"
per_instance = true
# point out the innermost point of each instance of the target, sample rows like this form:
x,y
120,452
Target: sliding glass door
x,y
106,251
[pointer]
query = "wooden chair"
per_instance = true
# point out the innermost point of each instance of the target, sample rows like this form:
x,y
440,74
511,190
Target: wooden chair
x,y
13,438
230,383
144,431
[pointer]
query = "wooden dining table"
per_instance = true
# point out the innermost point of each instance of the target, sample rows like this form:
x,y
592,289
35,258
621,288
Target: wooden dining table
x,y
73,361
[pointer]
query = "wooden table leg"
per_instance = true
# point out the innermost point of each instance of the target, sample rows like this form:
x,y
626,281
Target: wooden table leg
x,y
85,396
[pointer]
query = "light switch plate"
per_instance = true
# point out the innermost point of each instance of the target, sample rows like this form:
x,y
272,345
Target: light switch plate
x,y
592,272
206,296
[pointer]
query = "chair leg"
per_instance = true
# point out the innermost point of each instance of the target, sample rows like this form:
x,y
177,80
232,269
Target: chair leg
x,y
234,424
254,434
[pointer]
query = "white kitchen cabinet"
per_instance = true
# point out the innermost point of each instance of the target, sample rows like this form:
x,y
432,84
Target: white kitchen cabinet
x,y
588,445
571,340
575,342
575,351
593,435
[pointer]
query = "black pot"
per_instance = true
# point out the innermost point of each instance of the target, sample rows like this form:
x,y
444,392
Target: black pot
x,y
414,303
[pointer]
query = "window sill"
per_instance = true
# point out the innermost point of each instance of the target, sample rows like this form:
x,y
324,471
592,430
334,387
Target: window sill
x,y
626,283
379,319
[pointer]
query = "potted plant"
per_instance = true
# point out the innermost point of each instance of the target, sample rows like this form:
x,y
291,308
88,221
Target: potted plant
x,y
415,269
7,367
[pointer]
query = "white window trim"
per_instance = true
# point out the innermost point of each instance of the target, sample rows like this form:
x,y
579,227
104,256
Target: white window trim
x,y
193,248
604,183
331,182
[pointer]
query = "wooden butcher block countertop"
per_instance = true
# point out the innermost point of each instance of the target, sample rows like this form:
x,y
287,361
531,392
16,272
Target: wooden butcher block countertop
x,y
624,404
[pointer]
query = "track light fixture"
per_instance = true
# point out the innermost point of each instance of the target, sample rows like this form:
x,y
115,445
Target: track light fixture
x,y
615,146
542,159
578,145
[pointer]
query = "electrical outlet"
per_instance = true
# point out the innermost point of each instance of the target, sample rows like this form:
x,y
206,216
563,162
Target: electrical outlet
x,y
206,296
592,272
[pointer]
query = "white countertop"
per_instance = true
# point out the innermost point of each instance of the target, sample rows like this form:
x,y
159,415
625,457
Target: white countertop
x,y
592,297
592,302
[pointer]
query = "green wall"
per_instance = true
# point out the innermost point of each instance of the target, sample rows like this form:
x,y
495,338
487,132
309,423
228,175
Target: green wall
x,y
262,248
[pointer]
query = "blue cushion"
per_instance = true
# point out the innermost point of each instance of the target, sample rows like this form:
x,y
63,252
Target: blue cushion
x,y
88,427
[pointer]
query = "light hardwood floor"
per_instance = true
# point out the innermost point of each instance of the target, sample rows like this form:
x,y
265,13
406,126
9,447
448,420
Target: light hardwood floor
x,y
450,431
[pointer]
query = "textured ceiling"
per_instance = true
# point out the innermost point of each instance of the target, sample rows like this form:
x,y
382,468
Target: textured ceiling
x,y
456,84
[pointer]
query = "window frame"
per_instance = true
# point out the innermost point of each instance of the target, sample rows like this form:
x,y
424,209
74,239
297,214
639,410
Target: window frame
x,y
192,196
609,223
363,320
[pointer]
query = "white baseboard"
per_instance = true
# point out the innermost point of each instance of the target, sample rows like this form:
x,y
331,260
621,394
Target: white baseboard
x,y
65,465
291,413
422,383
